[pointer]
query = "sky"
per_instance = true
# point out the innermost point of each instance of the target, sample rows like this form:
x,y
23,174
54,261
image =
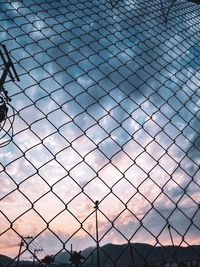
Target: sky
x,y
107,108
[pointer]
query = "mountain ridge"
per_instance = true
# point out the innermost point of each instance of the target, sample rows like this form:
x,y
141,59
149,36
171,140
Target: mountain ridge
x,y
137,253
133,254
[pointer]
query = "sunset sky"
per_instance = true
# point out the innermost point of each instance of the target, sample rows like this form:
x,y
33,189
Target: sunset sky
x,y
107,108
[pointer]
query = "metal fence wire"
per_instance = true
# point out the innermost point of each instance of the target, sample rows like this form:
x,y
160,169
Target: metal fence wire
x,y
100,144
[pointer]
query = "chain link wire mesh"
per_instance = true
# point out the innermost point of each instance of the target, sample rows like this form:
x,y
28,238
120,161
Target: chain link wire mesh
x,y
107,109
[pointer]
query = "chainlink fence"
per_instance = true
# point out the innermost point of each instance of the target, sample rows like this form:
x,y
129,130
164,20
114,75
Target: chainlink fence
x,y
100,145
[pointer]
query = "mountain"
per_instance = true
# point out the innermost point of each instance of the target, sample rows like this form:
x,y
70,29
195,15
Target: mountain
x,y
4,260
64,257
134,254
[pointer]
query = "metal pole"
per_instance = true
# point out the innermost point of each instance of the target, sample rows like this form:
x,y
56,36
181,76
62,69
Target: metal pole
x,y
71,254
175,256
97,231
34,253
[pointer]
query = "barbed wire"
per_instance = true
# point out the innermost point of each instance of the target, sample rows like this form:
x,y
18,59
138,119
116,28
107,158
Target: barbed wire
x,y
101,143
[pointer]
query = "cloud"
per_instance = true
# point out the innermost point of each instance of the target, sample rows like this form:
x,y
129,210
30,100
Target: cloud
x,y
103,112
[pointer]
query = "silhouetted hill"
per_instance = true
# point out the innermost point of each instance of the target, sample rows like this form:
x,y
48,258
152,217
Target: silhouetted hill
x,y
64,257
137,253
122,255
4,260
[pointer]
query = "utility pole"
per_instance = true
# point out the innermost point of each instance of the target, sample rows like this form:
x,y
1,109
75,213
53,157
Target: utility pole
x,y
19,253
96,207
4,98
22,244
8,64
34,254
